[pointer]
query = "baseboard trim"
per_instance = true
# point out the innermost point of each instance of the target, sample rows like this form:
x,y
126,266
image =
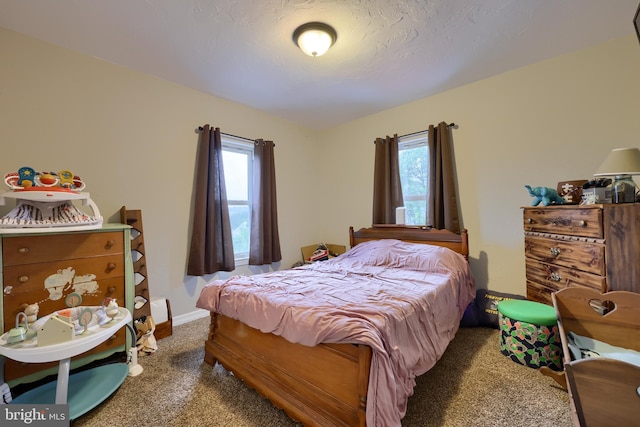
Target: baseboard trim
x,y
188,317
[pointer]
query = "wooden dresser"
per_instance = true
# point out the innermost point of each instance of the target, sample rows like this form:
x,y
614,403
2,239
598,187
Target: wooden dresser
x,y
45,268
594,246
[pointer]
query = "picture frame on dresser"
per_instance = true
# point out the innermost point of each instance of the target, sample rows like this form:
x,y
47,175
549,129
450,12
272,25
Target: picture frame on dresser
x,y
595,246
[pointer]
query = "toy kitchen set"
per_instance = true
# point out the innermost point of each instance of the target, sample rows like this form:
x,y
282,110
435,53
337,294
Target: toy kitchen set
x,y
45,202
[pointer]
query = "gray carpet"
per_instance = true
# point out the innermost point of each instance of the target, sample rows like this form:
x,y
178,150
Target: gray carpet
x,y
472,385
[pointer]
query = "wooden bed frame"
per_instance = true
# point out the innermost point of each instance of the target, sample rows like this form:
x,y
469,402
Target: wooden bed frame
x,y
324,385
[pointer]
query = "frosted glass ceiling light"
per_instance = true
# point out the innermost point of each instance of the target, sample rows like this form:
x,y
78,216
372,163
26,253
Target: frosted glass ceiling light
x,y
314,38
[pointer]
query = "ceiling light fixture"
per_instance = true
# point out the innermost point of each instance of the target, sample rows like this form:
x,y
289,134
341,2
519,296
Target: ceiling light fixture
x,y
314,38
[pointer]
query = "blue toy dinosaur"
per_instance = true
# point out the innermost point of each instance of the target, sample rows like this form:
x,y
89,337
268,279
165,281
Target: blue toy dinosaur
x,y
545,195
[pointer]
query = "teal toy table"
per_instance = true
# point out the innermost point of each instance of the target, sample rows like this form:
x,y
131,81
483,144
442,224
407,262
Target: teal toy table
x,y
81,391
86,389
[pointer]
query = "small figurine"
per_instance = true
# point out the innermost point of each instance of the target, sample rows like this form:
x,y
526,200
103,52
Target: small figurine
x,y
545,195
31,311
111,309
85,318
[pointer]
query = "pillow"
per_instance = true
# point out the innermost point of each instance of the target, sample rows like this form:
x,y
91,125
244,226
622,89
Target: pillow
x,y
483,310
392,253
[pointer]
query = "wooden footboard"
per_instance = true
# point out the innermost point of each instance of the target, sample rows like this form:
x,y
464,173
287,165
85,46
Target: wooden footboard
x,y
324,385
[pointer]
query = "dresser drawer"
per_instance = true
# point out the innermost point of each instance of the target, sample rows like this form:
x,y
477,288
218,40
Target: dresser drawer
x,y
575,222
44,248
583,255
15,298
61,275
555,276
541,293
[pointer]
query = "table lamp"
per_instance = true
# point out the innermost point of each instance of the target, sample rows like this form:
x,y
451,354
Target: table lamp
x,y
621,163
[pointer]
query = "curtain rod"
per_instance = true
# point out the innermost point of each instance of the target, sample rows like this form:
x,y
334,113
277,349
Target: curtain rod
x,y
450,125
200,129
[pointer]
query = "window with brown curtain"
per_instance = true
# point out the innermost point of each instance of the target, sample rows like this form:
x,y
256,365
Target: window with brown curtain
x,y
211,244
441,198
442,201
265,239
387,190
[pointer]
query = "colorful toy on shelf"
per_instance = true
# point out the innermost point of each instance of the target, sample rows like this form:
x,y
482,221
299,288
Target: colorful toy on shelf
x,y
28,179
44,200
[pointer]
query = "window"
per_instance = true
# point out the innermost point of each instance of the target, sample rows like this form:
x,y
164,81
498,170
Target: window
x,y
237,158
413,154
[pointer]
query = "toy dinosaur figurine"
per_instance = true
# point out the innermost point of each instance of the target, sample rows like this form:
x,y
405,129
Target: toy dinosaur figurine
x,y
545,195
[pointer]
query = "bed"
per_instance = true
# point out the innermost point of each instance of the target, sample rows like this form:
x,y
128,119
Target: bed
x,y
340,342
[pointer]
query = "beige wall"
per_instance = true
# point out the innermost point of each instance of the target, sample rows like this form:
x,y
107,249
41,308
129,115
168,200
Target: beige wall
x,y
548,122
131,137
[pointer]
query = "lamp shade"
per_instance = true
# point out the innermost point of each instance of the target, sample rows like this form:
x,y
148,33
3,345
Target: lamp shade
x,y
621,161
314,38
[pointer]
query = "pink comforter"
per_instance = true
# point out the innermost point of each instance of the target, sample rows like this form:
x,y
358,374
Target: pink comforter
x,y
404,300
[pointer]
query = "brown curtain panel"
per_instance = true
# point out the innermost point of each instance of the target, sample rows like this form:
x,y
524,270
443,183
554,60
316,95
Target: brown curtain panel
x,y
442,199
211,242
265,240
387,191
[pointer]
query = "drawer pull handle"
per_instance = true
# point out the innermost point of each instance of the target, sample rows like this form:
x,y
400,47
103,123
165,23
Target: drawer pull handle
x,y
583,223
110,244
111,290
23,250
112,338
111,266
23,279
556,277
530,220
555,251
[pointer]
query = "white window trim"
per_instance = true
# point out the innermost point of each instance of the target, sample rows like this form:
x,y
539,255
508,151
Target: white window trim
x,y
239,145
414,140
418,139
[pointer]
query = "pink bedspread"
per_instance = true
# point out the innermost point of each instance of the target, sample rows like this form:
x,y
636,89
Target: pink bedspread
x,y
404,300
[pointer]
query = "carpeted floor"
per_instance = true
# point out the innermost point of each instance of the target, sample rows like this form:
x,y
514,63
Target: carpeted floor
x,y
472,385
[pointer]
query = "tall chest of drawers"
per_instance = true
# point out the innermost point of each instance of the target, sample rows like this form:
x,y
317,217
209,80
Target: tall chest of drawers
x,y
596,246
46,268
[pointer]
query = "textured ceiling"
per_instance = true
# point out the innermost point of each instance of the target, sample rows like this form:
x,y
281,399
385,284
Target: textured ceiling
x,y
387,53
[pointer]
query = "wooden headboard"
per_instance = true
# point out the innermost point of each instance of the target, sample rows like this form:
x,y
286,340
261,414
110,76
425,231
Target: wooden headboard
x,y
416,234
